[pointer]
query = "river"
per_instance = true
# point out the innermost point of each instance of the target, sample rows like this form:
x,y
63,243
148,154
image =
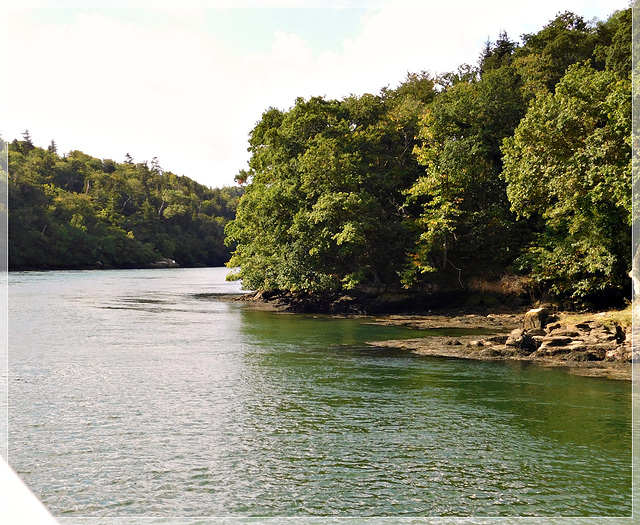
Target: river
x,y
146,393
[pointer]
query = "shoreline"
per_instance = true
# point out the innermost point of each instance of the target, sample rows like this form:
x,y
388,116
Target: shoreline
x,y
585,344
466,347
597,348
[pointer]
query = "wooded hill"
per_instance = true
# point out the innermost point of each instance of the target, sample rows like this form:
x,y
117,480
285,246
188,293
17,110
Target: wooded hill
x,y
76,211
517,166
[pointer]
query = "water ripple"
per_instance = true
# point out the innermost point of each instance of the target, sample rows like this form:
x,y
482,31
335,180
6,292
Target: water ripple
x,y
134,394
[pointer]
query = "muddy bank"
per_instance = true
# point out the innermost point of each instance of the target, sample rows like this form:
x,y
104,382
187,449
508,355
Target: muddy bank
x,y
376,302
589,345
453,318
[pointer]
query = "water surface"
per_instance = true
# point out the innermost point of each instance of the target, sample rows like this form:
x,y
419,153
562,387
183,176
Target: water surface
x,y
140,393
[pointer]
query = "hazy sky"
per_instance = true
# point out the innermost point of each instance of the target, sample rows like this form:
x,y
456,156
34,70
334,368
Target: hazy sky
x,y
188,84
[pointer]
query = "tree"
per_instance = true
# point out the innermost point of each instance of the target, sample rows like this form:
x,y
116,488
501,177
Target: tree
x,y
26,137
545,56
155,166
324,209
73,211
613,46
498,54
463,216
569,163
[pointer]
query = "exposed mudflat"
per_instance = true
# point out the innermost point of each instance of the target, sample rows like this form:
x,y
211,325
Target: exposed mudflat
x,y
498,322
468,348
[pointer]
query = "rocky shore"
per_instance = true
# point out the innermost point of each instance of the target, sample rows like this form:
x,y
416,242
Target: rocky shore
x,y
589,344
586,344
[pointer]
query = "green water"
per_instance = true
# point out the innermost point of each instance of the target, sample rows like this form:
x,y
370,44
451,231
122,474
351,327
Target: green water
x,y
132,395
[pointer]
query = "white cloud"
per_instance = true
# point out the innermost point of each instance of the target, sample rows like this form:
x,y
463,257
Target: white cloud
x,y
171,90
110,88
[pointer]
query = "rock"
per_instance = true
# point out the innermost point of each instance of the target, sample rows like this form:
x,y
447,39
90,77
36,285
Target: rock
x,y
583,341
620,353
595,354
343,299
535,319
492,352
552,340
563,332
522,341
552,326
551,352
514,337
165,263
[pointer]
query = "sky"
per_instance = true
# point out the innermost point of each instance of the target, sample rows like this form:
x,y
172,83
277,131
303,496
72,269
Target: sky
x,y
187,84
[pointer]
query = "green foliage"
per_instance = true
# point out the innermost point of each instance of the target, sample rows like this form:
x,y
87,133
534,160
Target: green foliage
x,y
521,163
78,211
464,220
546,55
569,162
497,54
324,209
613,49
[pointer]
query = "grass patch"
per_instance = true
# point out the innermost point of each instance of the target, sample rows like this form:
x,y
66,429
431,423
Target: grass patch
x,y
607,318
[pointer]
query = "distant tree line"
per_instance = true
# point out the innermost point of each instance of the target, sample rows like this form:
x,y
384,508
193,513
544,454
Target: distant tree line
x,y
76,211
519,165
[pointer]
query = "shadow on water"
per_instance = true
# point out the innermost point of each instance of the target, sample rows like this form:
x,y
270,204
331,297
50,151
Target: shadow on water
x,y
459,437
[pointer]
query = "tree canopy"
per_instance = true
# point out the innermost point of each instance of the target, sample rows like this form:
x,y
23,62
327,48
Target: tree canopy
x,y
75,211
569,162
519,165
323,209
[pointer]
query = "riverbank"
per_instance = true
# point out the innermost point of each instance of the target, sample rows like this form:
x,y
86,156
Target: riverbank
x,y
587,344
376,302
160,263
596,344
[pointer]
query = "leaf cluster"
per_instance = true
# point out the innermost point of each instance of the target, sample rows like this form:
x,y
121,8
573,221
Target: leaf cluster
x,y
324,208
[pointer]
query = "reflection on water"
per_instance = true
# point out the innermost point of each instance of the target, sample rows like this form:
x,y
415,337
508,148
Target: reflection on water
x,y
142,393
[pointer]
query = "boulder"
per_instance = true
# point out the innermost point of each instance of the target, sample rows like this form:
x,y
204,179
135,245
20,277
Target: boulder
x,y
514,337
164,263
522,341
535,319
563,332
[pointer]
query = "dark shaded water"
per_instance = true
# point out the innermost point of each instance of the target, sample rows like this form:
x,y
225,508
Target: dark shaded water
x,y
132,394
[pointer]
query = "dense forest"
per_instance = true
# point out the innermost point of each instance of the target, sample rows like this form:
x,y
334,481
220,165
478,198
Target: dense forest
x,y
513,170
76,211
516,168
